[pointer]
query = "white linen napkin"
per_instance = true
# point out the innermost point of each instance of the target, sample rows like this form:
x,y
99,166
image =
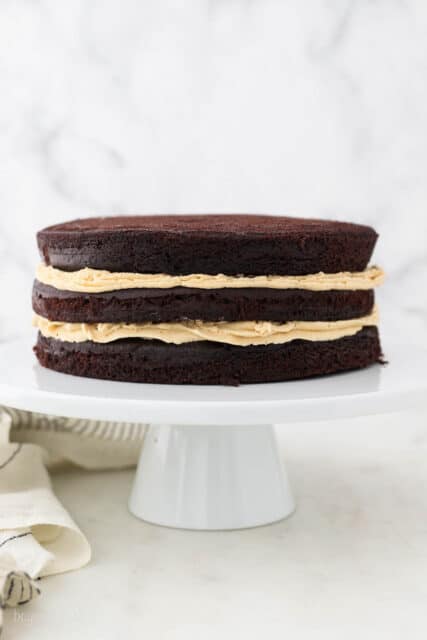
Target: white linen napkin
x,y
37,535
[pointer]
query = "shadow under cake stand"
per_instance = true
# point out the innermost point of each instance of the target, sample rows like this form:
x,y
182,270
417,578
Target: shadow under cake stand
x,y
209,458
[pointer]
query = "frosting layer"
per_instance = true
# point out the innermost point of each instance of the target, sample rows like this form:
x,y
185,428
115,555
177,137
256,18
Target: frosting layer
x,y
99,281
234,333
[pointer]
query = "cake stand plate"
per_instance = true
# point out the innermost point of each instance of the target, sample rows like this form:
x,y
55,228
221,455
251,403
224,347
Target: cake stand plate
x,y
209,459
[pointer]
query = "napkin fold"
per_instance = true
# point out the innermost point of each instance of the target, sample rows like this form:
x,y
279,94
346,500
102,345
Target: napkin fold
x,y
37,535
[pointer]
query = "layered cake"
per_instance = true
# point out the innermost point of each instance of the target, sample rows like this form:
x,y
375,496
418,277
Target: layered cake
x,y
206,299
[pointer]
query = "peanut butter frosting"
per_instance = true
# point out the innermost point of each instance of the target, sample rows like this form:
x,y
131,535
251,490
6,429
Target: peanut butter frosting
x,y
235,333
99,281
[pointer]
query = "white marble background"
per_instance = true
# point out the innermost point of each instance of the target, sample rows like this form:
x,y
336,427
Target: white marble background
x,y
313,108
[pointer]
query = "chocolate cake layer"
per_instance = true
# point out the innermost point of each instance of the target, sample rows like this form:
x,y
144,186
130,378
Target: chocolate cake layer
x,y
153,361
180,303
211,244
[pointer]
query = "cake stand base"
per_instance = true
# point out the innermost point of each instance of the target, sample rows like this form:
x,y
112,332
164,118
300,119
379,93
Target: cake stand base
x,y
210,477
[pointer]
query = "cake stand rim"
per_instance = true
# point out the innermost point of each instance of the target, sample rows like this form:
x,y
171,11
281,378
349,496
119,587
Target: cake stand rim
x,y
222,409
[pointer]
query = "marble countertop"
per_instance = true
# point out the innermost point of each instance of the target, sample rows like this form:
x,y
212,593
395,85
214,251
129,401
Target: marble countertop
x,y
350,563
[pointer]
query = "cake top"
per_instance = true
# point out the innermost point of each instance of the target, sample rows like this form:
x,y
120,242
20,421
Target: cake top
x,y
215,243
225,224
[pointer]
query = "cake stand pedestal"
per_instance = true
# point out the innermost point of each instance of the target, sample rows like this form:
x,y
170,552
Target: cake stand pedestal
x,y
209,459
210,477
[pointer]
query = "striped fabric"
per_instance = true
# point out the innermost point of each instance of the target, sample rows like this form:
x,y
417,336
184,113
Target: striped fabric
x,y
90,444
37,535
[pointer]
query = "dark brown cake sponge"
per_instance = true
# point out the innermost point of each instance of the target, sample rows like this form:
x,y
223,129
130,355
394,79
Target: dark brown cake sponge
x,y
231,244
153,361
181,303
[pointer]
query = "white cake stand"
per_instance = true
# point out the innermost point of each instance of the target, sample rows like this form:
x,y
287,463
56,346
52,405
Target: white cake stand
x,y
209,459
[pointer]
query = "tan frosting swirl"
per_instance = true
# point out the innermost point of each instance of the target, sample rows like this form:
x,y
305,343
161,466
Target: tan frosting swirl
x,y
235,333
98,281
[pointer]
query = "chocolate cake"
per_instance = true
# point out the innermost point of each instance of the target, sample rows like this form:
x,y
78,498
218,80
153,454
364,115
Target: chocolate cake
x,y
206,299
